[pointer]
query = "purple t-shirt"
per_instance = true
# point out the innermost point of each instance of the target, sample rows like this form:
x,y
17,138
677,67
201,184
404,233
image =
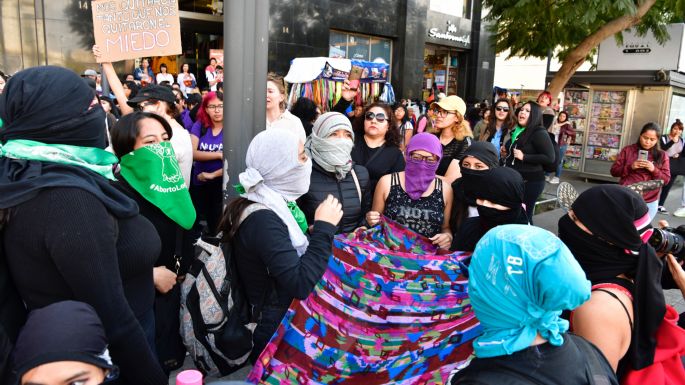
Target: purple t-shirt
x,y
210,143
187,121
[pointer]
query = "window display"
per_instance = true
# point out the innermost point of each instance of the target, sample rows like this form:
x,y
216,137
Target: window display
x,y
575,105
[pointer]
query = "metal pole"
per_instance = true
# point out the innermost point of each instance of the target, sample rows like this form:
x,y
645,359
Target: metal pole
x,y
246,43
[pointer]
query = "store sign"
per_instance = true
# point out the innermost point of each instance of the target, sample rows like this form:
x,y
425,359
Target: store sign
x,y
128,29
643,52
451,34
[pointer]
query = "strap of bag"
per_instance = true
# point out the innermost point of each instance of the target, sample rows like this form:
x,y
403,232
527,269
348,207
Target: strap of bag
x,y
356,184
375,155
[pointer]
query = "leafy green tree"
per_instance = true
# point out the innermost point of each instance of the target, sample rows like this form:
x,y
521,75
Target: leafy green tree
x,y
572,29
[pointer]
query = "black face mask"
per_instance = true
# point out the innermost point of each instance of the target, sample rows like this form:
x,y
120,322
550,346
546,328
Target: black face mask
x,y
472,181
596,256
491,217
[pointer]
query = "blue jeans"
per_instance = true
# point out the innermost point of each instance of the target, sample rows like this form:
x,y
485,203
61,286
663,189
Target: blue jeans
x,y
562,153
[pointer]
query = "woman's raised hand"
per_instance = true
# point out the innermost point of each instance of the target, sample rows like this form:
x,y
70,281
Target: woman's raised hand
x,y
330,210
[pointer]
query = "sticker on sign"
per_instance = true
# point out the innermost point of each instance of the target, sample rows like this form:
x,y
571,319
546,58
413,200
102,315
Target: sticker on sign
x,y
127,29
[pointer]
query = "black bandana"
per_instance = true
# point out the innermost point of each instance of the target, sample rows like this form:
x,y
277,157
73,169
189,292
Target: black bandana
x,y
53,105
618,220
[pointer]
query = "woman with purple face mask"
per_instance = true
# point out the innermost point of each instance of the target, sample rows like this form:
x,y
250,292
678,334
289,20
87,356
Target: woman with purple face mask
x,y
416,197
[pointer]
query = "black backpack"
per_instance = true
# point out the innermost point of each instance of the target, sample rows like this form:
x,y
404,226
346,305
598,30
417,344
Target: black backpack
x,y
12,311
552,167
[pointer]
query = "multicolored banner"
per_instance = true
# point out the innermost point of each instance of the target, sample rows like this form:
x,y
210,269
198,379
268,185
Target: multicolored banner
x,y
390,309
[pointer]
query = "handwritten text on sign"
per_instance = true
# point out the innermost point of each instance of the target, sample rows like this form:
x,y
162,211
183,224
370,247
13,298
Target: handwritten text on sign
x,y
127,29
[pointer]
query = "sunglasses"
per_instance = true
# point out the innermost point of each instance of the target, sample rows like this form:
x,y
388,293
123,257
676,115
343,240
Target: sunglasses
x,y
505,109
380,117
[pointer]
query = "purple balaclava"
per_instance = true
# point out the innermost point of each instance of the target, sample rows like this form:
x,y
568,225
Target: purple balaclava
x,y
418,174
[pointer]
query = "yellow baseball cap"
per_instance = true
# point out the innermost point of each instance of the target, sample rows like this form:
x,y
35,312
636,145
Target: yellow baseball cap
x,y
451,103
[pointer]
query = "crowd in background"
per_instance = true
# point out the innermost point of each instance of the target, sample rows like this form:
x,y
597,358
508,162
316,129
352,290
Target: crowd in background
x,y
85,224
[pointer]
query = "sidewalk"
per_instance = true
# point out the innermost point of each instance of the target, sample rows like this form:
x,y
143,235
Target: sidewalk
x,y
549,219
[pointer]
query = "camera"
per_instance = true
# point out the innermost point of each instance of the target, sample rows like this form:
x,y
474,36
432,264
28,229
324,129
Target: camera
x,y
669,241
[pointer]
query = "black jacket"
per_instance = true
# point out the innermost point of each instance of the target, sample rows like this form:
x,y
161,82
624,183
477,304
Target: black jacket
x,y
538,150
324,183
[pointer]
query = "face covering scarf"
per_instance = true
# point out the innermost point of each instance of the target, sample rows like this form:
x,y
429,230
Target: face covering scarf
x,y
332,154
514,276
419,174
274,176
154,173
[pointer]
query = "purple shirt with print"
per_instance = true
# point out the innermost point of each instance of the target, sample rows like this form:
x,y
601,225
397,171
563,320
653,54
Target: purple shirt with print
x,y
209,143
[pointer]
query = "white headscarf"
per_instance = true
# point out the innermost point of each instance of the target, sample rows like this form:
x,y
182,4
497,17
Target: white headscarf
x,y
274,175
332,154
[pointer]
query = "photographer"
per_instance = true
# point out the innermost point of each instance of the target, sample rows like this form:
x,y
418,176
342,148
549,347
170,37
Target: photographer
x,y
607,230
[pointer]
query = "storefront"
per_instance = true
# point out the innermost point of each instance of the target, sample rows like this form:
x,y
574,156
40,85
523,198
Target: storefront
x,y
448,44
412,36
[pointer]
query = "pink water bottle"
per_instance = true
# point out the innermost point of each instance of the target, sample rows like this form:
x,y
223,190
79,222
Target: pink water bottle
x,y
189,377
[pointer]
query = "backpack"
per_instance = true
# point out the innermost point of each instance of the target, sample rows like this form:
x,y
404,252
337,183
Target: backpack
x,y
12,311
552,167
217,321
421,124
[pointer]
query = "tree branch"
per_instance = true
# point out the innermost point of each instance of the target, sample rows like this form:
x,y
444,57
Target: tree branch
x,y
576,57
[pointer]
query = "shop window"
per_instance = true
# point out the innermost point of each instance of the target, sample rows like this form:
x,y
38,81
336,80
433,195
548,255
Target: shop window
x,y
359,47
213,7
459,8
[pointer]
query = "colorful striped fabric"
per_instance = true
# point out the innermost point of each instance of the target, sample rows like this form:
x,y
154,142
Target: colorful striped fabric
x,y
389,310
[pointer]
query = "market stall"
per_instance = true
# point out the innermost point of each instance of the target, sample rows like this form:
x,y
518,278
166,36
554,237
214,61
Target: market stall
x,y
321,79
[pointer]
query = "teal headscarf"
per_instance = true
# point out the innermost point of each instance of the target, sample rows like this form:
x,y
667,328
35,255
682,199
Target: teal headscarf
x,y
520,279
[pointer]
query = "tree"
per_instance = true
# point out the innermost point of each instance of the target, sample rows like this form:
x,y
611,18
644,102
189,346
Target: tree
x,y
572,29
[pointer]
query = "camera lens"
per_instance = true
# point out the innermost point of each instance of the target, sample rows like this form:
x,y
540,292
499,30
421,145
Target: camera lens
x,y
667,242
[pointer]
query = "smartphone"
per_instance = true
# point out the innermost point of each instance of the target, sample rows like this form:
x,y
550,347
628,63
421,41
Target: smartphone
x,y
642,155
355,75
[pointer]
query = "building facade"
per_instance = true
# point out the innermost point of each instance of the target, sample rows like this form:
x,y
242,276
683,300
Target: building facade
x,y
429,44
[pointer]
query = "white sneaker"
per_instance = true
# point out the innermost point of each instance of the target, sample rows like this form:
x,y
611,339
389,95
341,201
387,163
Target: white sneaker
x,y
547,178
554,180
680,212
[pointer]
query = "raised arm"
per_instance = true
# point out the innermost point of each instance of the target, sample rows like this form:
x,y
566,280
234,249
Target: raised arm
x,y
114,82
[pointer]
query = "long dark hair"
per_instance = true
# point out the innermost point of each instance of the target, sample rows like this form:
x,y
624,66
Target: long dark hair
x,y
534,121
230,221
392,136
507,125
656,153
126,131
406,113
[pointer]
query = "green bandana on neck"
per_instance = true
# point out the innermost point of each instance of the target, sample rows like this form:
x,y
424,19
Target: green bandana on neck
x,y
91,158
517,131
154,173
295,210
299,216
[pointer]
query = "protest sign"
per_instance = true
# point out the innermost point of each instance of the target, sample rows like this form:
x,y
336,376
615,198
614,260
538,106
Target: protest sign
x,y
217,54
127,29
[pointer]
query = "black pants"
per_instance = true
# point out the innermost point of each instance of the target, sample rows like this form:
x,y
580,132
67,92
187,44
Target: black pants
x,y
531,191
208,201
675,171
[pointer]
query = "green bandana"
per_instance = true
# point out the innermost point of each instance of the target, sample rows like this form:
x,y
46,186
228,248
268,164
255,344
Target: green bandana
x,y
154,172
94,159
297,213
517,131
299,216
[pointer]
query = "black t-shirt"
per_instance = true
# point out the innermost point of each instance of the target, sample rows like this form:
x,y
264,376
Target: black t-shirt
x,y
572,363
378,161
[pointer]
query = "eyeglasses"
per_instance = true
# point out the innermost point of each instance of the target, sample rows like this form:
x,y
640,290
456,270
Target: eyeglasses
x,y
380,117
505,109
430,159
441,112
215,107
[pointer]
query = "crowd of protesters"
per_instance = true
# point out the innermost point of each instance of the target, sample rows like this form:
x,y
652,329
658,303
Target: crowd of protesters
x,y
97,256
